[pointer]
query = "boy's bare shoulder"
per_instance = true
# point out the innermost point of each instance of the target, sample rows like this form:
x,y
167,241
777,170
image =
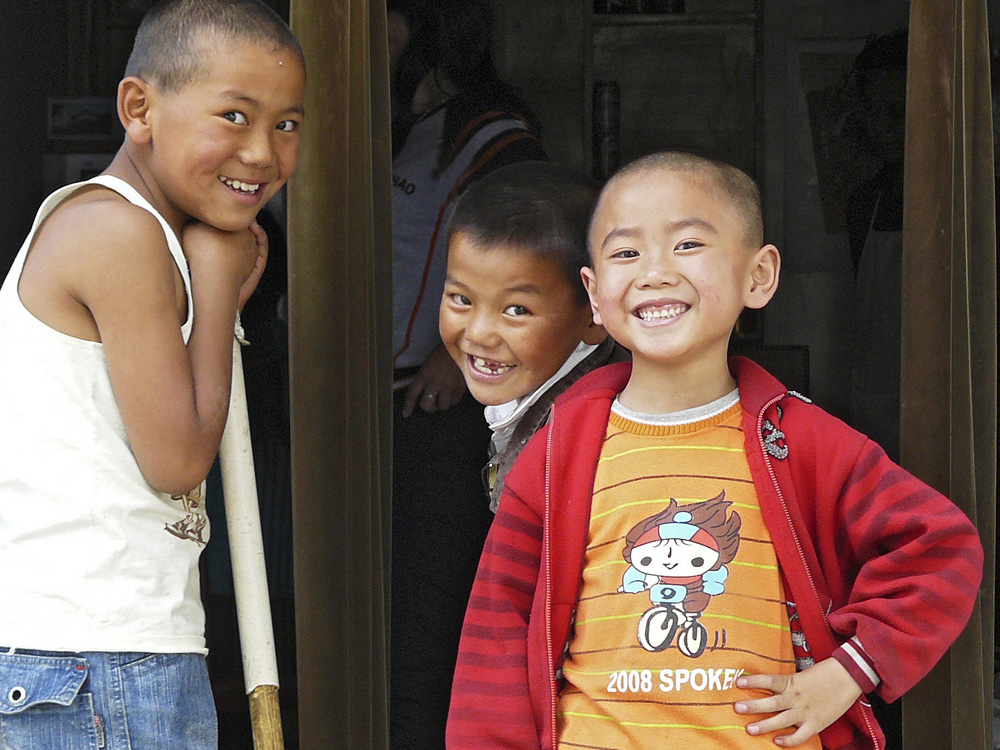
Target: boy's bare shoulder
x,y
98,231
95,250
101,214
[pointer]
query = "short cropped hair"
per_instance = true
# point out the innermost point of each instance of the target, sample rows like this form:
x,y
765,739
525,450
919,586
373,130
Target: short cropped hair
x,y
166,51
538,207
733,183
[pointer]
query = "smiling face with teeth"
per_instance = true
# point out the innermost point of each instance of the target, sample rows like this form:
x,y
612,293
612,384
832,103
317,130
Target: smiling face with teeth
x,y
672,268
509,318
219,147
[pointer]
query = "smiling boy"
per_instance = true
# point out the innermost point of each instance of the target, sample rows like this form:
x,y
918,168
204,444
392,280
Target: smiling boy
x,y
514,315
116,326
688,554
672,283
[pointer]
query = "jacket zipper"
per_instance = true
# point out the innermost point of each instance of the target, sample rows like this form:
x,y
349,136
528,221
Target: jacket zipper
x,y
795,537
546,546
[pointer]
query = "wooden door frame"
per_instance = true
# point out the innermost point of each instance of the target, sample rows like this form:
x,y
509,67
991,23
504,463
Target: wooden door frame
x,y
949,337
340,308
340,333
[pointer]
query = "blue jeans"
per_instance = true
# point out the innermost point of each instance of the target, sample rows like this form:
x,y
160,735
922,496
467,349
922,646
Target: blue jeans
x,y
105,701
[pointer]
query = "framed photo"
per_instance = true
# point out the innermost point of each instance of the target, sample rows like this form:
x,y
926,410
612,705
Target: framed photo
x,y
83,119
823,160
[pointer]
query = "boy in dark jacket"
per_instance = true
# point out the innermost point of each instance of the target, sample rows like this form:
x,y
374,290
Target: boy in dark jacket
x,y
515,316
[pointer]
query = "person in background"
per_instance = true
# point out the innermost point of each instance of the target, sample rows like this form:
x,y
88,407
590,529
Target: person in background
x,y
455,121
875,231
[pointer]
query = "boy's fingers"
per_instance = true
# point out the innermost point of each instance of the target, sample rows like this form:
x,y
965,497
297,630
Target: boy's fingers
x,y
803,732
769,705
260,237
262,246
776,683
780,720
796,738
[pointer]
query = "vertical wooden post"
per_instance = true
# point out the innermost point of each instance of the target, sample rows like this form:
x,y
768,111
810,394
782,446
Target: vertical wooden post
x,y
949,370
340,299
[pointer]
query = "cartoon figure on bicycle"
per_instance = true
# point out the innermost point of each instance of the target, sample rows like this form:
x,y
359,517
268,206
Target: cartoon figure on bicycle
x,y
679,556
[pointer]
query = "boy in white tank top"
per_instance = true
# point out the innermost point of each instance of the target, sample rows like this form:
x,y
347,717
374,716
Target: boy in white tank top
x,y
114,395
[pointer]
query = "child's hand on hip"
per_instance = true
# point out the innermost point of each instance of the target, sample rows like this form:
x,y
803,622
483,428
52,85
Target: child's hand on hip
x,y
809,700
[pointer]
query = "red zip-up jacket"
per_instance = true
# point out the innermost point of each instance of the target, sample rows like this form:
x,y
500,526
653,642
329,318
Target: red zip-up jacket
x,y
884,570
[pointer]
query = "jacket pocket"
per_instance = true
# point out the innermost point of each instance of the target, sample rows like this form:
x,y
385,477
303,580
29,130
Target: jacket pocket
x,y
28,680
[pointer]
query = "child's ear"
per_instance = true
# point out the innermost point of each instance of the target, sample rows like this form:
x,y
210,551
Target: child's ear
x,y
590,284
763,277
133,109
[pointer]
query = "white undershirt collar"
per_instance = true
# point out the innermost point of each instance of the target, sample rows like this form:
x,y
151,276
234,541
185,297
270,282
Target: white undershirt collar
x,y
685,416
503,418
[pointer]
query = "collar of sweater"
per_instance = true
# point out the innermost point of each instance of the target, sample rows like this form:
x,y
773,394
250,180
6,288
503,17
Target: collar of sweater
x,y
503,418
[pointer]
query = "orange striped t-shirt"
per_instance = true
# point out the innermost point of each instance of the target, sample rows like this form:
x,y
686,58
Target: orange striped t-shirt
x,y
660,637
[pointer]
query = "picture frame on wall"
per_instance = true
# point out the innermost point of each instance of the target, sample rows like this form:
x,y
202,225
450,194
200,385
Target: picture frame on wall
x,y
83,118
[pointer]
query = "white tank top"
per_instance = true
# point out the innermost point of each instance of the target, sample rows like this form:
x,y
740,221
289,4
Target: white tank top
x,y
94,558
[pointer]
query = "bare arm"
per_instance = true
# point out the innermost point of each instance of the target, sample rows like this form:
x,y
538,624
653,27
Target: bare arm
x,y
173,398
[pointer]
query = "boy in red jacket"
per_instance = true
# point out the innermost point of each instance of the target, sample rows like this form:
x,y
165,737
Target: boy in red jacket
x,y
689,555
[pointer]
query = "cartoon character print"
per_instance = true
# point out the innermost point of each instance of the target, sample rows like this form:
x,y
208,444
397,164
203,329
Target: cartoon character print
x,y
679,556
192,526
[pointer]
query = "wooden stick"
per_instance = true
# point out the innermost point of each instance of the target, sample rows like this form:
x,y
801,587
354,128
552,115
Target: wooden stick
x,y
246,544
265,718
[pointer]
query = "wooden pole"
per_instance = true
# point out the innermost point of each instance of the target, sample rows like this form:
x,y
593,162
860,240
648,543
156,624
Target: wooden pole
x,y
340,354
949,334
253,605
265,718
